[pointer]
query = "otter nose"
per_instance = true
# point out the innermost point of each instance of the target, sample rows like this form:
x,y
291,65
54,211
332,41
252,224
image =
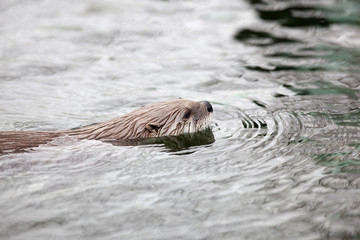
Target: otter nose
x,y
208,106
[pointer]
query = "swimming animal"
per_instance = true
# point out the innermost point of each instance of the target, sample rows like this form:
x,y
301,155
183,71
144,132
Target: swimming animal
x,y
169,118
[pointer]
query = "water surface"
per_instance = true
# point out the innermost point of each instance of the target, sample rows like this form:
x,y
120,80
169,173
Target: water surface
x,y
283,79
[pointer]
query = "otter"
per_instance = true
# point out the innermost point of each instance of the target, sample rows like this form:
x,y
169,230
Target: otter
x,y
169,118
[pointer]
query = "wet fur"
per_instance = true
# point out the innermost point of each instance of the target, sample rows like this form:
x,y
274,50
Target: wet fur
x,y
160,119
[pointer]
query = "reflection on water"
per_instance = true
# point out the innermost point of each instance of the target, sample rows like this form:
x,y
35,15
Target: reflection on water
x,y
280,162
183,142
308,13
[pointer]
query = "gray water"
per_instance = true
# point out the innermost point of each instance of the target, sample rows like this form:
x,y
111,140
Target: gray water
x,y
282,76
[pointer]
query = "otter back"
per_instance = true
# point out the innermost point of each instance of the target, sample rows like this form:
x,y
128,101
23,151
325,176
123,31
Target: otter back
x,y
17,141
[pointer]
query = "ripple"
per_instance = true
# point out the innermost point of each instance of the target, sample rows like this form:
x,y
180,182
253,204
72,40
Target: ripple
x,y
259,128
261,38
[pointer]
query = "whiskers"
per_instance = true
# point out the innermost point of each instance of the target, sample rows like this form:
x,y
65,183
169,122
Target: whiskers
x,y
195,125
204,124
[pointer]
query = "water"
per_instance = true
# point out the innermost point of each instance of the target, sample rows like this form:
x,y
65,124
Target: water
x,y
283,78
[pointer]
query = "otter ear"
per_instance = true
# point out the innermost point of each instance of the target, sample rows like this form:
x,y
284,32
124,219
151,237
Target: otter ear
x,y
153,127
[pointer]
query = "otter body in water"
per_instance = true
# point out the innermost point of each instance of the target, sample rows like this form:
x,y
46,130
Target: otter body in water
x,y
155,120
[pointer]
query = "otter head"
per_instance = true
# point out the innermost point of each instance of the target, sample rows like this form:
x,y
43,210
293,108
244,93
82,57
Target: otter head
x,y
174,117
155,120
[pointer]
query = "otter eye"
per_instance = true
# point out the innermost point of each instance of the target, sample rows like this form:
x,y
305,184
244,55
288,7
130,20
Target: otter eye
x,y
187,115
